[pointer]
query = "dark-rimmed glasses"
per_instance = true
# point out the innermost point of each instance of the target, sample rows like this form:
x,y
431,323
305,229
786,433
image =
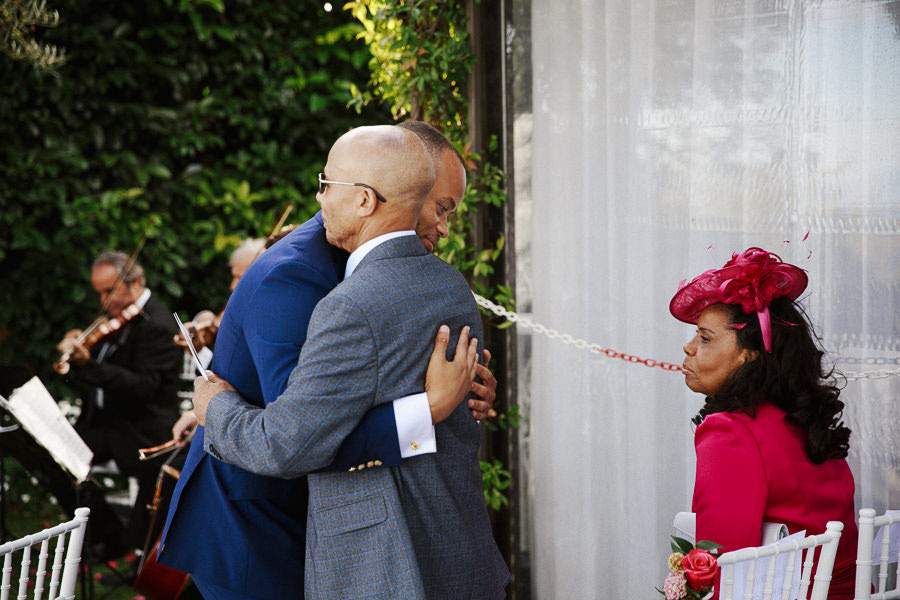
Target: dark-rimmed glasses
x,y
323,183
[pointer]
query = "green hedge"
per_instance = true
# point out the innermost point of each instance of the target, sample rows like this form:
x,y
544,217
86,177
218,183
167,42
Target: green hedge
x,y
195,120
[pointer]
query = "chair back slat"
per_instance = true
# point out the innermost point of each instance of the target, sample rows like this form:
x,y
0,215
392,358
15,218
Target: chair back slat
x,y
806,574
56,571
787,584
727,581
63,577
23,572
7,572
748,580
41,571
883,564
769,588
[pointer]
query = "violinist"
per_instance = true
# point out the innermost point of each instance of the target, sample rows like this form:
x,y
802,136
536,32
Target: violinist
x,y
131,378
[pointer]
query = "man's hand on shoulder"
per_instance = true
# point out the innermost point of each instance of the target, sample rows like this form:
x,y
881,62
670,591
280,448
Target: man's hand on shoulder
x,y
482,407
448,382
204,391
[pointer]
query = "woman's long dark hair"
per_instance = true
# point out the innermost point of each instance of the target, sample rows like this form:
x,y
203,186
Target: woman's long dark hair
x,y
791,378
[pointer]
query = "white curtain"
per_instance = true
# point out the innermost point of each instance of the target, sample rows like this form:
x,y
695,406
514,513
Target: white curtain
x,y
651,140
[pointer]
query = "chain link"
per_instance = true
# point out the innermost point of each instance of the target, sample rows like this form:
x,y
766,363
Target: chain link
x,y
565,338
852,376
553,334
871,360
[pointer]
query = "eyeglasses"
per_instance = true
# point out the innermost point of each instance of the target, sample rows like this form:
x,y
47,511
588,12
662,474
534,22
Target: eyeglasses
x,y
323,183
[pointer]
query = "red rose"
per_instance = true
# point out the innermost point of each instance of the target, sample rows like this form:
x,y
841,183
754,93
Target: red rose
x,y
700,569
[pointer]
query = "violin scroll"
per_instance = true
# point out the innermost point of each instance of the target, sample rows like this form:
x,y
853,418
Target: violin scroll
x,y
202,328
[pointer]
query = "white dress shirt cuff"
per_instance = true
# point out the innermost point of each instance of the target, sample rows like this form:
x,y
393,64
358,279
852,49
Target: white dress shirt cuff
x,y
414,428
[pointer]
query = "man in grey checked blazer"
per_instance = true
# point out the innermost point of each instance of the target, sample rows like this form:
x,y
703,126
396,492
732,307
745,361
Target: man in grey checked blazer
x,y
419,530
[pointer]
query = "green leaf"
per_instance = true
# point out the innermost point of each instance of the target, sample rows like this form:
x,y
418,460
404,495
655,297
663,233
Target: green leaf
x,y
708,545
684,546
158,171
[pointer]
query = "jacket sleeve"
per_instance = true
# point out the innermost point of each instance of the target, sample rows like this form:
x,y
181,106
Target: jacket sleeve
x,y
375,438
327,394
730,489
276,329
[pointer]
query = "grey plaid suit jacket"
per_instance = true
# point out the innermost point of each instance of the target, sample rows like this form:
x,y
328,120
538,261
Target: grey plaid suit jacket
x,y
415,531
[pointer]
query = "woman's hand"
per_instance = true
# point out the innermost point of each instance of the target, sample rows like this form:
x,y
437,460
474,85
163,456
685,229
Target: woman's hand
x,y
482,407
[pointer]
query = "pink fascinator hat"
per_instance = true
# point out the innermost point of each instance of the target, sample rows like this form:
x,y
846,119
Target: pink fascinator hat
x,y
751,279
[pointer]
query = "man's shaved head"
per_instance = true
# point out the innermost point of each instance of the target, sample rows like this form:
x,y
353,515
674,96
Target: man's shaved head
x,y
384,158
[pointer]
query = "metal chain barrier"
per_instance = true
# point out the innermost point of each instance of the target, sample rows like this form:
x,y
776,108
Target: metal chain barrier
x,y
565,338
852,376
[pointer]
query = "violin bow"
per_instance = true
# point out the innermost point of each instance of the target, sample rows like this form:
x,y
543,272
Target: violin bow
x,y
129,264
279,223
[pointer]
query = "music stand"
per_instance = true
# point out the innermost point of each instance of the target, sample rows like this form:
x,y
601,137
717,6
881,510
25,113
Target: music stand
x,y
49,449
11,377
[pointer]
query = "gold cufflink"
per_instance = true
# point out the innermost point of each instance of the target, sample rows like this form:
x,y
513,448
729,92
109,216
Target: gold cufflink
x,y
414,446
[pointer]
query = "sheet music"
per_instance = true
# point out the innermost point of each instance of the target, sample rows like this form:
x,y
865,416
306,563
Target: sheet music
x,y
34,407
190,345
205,355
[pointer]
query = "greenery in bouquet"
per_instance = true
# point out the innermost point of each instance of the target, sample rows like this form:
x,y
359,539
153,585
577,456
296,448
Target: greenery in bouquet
x,y
693,570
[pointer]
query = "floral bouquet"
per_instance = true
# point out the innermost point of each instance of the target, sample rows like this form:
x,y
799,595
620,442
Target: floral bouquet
x,y
693,570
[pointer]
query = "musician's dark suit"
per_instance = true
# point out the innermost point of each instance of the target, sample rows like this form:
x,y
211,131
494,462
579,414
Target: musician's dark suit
x,y
138,373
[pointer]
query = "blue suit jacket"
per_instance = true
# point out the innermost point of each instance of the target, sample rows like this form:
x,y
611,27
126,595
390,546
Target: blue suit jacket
x,y
418,530
241,531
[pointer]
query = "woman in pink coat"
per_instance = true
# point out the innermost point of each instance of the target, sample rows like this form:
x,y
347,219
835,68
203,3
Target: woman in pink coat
x,y
770,442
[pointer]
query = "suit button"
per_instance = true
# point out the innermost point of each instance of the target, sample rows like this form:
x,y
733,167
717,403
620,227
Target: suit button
x,y
378,463
351,469
361,467
371,463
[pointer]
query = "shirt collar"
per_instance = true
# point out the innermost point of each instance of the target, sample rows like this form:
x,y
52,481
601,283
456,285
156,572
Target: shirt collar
x,y
360,253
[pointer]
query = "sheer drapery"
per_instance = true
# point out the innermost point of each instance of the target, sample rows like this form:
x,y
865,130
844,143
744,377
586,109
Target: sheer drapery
x,y
652,140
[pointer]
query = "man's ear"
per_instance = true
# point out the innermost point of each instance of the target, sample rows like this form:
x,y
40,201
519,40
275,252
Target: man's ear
x,y
367,203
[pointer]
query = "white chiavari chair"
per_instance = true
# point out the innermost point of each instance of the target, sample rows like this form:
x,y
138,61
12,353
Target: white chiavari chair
x,y
63,571
828,542
888,560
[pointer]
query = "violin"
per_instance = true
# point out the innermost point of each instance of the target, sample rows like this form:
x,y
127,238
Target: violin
x,y
99,330
202,329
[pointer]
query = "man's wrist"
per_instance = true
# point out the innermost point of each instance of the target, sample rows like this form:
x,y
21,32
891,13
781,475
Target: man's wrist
x,y
415,431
